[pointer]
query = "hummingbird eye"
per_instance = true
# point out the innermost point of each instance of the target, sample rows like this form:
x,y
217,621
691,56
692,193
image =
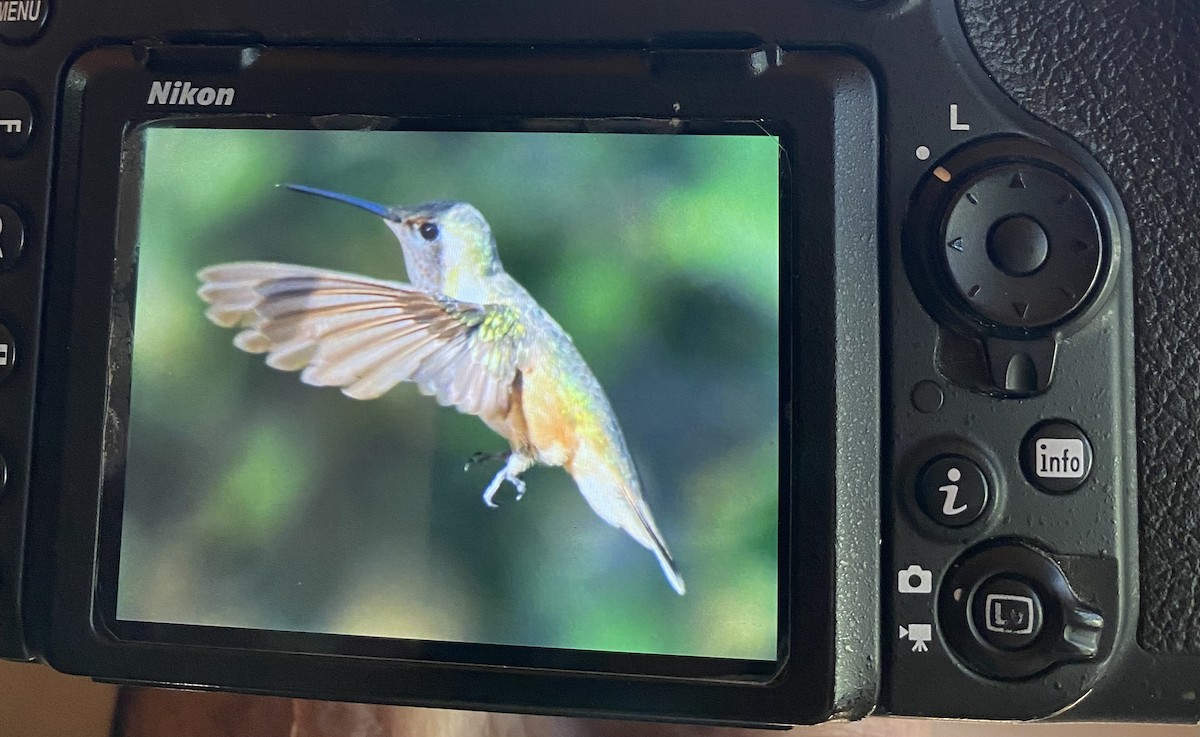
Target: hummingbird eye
x,y
429,231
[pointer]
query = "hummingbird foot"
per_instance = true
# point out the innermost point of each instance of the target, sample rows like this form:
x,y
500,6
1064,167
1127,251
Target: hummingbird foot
x,y
517,464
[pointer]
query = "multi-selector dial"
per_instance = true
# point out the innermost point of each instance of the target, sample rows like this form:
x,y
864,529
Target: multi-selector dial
x,y
1021,245
1011,243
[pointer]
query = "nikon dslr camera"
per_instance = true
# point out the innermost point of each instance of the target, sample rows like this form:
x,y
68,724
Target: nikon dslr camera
x,y
759,364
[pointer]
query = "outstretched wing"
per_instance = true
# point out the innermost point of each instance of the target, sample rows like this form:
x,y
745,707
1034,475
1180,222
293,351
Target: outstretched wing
x,y
367,335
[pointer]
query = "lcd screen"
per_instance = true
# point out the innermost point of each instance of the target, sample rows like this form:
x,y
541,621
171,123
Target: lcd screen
x,y
493,388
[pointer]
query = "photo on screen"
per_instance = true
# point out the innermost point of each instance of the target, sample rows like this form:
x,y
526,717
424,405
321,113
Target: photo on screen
x,y
503,388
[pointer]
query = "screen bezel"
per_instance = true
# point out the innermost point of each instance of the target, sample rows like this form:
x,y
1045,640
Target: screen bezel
x,y
89,301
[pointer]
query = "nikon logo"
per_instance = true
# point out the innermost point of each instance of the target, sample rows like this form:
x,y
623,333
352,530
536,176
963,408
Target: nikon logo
x,y
184,93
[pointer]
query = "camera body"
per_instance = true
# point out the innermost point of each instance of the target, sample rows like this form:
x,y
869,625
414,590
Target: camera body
x,y
986,370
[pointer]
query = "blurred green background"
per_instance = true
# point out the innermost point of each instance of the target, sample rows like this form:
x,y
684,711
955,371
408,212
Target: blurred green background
x,y
256,501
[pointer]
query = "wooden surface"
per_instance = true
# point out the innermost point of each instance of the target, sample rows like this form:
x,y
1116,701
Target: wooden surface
x,y
150,713
37,702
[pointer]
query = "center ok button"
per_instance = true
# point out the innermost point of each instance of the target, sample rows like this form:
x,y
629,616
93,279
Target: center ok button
x,y
1018,245
952,490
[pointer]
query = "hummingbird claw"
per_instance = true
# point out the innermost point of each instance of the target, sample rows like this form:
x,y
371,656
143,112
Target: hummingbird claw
x,y
490,492
517,464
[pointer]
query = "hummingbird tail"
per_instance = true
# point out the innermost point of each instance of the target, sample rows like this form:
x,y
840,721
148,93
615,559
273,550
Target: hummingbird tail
x,y
619,502
669,570
655,543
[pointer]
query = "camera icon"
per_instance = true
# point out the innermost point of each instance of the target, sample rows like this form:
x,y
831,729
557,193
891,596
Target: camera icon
x,y
914,580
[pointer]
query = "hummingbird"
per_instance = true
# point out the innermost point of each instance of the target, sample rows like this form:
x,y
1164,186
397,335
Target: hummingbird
x,y
464,331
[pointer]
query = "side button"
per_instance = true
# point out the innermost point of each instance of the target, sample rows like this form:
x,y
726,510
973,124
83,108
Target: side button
x,y
16,119
8,352
12,237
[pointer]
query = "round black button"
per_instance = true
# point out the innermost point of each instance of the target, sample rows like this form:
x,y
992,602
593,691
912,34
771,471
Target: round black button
x,y
1021,246
927,396
16,120
952,490
1056,456
22,20
12,237
1006,613
8,352
1018,245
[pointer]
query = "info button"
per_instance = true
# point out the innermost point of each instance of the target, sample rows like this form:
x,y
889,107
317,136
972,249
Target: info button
x,y
1056,456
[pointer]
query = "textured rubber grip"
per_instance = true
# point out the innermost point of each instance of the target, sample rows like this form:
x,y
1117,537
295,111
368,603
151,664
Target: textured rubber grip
x,y
1121,78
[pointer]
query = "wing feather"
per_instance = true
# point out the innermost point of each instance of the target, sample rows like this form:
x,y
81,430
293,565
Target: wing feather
x,y
367,335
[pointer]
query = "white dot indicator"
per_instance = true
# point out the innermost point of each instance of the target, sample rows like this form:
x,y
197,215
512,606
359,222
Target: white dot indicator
x,y
923,153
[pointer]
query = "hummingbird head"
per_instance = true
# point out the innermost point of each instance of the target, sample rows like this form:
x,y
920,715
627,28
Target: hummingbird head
x,y
448,246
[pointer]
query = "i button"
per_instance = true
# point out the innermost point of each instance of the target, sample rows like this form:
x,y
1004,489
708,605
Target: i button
x,y
952,490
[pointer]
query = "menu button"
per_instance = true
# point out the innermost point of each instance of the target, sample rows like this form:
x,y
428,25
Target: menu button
x,y
22,20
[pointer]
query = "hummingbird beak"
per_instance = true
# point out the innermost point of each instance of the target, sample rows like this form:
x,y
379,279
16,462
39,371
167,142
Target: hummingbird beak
x,y
371,207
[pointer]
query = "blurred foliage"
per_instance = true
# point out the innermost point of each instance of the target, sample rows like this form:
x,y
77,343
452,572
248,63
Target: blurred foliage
x,y
256,501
